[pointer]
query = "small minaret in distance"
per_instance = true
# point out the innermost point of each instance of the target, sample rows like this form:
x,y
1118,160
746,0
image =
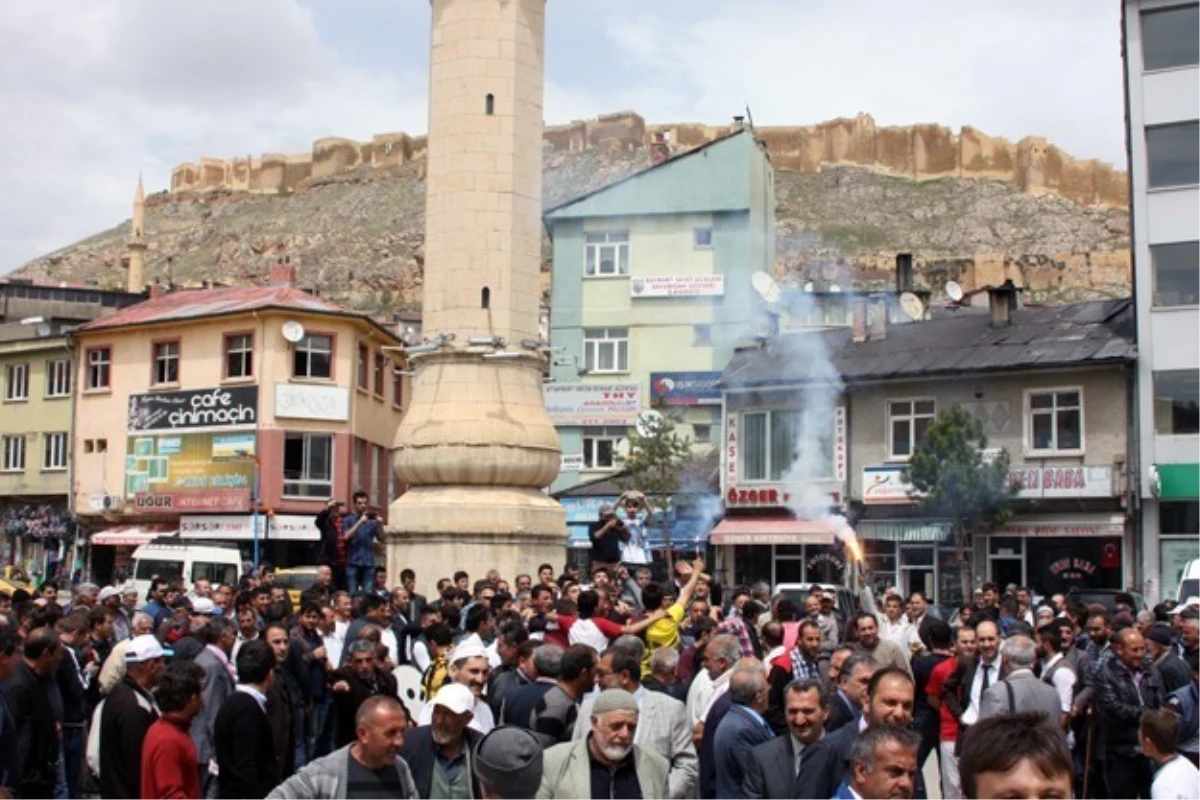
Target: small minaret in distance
x,y
476,448
136,279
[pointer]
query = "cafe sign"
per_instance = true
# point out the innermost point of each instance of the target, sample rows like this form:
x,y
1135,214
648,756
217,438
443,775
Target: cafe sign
x,y
222,408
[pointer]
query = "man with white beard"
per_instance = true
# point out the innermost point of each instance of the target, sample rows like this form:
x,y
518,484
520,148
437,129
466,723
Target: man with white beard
x,y
605,763
439,754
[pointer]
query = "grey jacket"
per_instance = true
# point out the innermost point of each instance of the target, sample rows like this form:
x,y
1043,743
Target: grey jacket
x,y
662,727
218,685
326,778
566,771
1028,694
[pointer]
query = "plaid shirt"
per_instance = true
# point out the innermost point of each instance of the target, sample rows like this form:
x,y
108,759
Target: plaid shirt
x,y
735,627
802,668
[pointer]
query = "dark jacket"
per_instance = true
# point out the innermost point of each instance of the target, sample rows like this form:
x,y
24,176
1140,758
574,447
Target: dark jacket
x,y
282,701
827,762
245,749
521,702
128,713
325,524
70,686
708,760
1120,703
418,753
770,770
1174,672
346,703
737,735
841,712
36,739
502,683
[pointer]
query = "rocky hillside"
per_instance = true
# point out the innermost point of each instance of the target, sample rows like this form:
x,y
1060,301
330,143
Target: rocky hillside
x,y
357,235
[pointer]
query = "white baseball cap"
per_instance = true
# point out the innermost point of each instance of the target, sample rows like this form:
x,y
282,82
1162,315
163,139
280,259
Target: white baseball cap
x,y
144,648
1192,601
203,605
109,591
455,697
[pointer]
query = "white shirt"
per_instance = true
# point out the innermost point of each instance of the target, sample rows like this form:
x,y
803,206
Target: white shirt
x,y
482,721
237,645
388,638
1063,681
901,633
971,715
698,694
420,655
1177,779
719,687
333,644
584,631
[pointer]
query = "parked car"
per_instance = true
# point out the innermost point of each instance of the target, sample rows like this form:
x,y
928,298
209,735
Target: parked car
x,y
1189,582
170,557
1105,597
296,580
845,603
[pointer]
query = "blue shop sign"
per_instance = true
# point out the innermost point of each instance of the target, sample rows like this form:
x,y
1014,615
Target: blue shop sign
x,y
686,388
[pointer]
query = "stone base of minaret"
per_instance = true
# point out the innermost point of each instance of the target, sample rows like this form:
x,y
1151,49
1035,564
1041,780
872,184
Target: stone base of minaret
x,y
438,530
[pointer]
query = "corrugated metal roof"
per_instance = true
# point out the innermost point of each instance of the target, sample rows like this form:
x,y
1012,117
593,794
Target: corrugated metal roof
x,y
1038,338
186,304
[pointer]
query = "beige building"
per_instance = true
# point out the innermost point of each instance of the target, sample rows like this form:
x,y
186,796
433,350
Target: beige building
x,y
198,406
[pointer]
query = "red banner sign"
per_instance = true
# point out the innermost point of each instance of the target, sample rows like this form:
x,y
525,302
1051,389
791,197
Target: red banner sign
x,y
213,500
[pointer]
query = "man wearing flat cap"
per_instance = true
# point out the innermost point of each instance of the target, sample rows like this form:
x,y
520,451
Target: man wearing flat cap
x,y
508,764
1161,649
606,763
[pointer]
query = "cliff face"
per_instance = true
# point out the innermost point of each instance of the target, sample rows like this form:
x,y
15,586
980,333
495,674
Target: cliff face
x,y
920,152
351,214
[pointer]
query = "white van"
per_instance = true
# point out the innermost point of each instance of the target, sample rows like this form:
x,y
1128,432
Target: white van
x,y
175,558
1189,582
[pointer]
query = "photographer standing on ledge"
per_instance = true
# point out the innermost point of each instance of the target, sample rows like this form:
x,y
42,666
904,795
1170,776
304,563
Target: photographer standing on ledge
x,y
361,533
606,537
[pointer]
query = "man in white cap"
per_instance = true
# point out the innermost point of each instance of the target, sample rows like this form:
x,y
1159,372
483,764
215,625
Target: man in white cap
x,y
110,598
469,667
129,711
607,762
441,753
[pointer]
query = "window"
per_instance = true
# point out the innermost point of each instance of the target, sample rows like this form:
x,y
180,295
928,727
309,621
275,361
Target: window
x,y
1173,153
702,433
16,382
89,445
606,349
702,335
54,451
364,360
239,355
308,465
14,453
166,363
1055,421
1176,273
607,253
313,357
397,386
58,378
702,237
774,441
1169,37
907,422
380,372
102,445
1177,401
600,447
99,367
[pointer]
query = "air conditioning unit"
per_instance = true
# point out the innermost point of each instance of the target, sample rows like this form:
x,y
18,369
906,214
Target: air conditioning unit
x,y
113,502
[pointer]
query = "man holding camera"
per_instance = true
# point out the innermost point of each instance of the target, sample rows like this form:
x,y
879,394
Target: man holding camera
x,y
606,537
362,531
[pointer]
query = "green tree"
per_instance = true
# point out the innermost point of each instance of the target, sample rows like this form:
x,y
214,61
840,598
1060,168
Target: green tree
x,y
656,455
952,477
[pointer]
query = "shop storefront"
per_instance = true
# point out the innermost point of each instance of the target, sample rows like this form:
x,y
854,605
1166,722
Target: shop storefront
x,y
778,549
913,555
1178,489
111,548
1058,552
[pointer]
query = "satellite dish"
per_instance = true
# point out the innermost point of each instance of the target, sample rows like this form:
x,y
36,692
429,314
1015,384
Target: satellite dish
x,y
293,331
954,291
913,308
622,448
808,286
647,422
766,287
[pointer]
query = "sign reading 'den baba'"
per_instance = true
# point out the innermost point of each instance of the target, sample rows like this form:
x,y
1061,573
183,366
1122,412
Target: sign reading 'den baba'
x,y
305,401
885,485
593,403
686,388
222,408
677,286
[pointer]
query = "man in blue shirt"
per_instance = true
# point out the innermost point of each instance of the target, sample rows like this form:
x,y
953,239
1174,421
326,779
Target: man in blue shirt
x,y
362,530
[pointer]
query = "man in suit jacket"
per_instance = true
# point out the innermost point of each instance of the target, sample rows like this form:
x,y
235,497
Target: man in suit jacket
x,y
662,720
774,766
607,759
449,761
883,763
219,636
1021,690
29,703
962,692
242,736
846,704
741,730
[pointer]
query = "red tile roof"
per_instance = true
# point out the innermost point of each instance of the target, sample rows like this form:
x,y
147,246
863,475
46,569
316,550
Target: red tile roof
x,y
184,304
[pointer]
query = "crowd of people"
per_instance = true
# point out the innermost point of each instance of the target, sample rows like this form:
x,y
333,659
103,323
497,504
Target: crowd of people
x,y
605,684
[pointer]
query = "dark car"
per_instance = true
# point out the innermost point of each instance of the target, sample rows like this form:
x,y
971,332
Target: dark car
x,y
1105,597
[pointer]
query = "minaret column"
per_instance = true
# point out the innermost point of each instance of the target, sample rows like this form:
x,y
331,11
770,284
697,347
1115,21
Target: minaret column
x,y
135,280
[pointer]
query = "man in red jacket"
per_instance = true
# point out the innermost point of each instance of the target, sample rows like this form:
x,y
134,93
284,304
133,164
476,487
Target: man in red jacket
x,y
169,768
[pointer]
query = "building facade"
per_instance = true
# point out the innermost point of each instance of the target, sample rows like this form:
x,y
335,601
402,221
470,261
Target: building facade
x,y
1051,386
230,413
1162,78
651,290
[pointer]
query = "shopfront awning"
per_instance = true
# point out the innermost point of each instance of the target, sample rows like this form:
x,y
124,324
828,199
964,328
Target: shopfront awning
x,y
903,530
1178,481
771,530
130,535
1060,525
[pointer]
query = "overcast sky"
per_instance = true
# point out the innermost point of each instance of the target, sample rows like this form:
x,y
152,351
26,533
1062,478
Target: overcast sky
x,y
96,91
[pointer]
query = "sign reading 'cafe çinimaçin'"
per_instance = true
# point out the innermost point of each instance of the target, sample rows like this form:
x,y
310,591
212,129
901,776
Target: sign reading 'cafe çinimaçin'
x,y
223,407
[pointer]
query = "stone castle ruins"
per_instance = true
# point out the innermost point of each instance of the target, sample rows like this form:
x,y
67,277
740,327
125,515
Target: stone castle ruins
x,y
919,152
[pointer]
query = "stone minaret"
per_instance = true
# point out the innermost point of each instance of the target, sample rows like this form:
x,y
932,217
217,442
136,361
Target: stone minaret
x,y
476,448
136,279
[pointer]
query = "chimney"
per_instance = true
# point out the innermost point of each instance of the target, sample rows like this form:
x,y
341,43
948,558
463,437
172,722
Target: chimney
x,y
1002,302
877,314
660,150
283,273
904,268
157,290
858,319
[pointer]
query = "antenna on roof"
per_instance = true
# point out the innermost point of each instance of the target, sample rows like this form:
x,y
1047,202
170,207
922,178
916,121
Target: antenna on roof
x,y
749,116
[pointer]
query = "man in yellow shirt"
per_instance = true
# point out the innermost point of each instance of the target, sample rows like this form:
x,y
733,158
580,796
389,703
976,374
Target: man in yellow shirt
x,y
665,632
